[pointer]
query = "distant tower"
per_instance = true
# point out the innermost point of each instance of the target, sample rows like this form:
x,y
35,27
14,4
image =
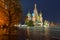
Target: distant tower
x,y
33,18
46,23
40,19
29,16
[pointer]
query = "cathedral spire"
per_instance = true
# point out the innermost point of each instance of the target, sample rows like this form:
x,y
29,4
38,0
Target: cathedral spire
x,y
35,10
35,6
40,13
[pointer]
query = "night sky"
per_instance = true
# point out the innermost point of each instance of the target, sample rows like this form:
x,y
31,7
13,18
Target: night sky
x,y
49,8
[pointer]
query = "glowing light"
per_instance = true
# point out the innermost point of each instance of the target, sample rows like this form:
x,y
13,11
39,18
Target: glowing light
x,y
17,25
1,22
33,14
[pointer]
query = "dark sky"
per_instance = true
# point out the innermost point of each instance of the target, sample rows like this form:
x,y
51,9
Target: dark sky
x,y
49,8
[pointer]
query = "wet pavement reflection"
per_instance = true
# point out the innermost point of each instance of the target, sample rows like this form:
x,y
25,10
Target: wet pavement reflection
x,y
29,33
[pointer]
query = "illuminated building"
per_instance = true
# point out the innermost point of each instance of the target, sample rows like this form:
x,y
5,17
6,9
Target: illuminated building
x,y
46,23
35,17
35,12
29,16
40,19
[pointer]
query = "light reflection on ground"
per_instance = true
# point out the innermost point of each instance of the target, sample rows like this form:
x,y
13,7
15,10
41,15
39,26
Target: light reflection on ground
x,y
31,33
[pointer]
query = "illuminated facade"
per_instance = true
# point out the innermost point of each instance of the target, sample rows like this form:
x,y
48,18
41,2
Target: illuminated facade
x,y
35,17
29,16
46,23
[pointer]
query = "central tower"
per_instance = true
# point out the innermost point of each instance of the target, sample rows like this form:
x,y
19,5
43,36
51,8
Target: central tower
x,y
35,11
35,14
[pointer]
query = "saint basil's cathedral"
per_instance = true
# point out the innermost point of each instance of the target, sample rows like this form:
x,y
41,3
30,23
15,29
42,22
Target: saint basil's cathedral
x,y
37,18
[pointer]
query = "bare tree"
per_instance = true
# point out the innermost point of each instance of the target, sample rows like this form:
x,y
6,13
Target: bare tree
x,y
14,12
10,13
